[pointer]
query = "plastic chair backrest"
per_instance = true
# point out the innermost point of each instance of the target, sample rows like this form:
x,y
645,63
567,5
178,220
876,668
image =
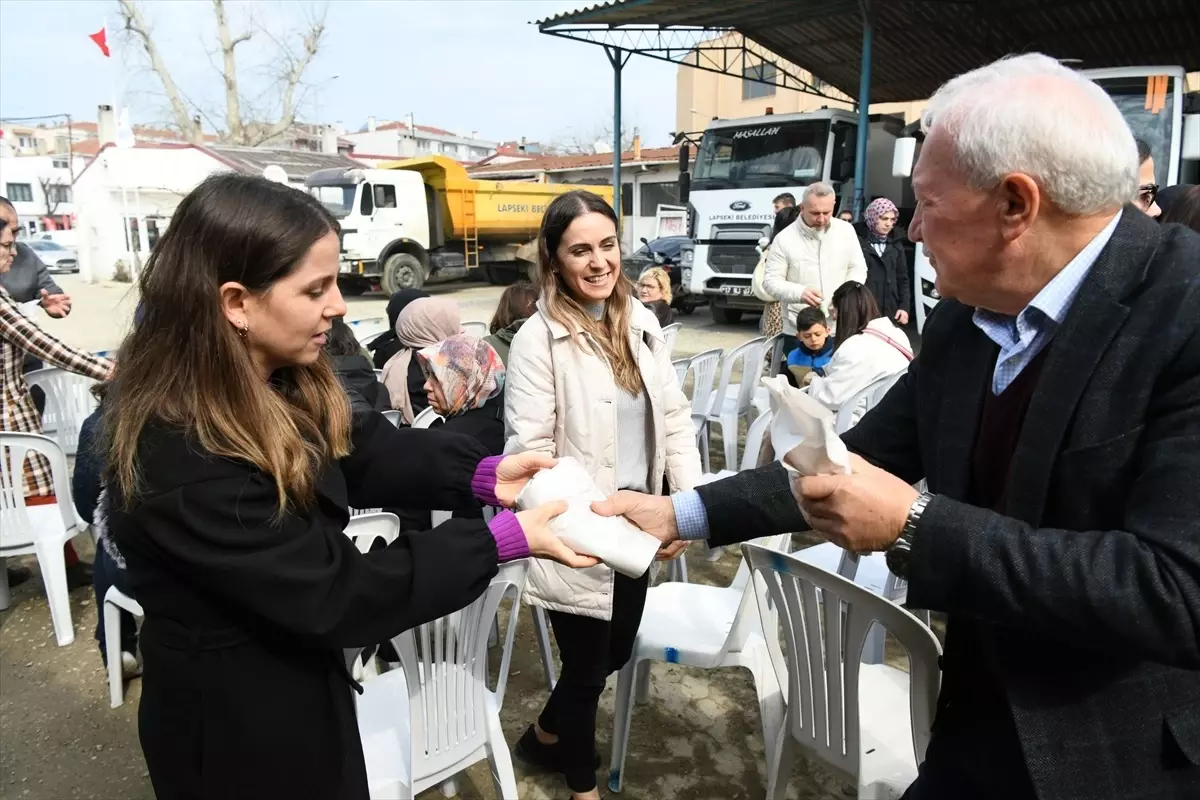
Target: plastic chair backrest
x,y
392,416
367,340
746,620
445,666
15,528
703,367
670,334
744,354
426,418
868,397
772,356
368,328
475,328
681,368
69,401
824,638
366,529
756,436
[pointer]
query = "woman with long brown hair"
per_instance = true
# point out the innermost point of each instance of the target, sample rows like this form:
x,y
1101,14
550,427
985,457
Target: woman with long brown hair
x,y
590,376
232,458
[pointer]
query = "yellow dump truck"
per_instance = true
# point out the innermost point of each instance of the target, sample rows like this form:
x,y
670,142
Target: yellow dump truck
x,y
424,220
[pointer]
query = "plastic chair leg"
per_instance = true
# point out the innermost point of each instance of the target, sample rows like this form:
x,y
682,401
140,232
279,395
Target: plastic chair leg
x,y
501,761
622,720
449,788
729,437
112,652
642,695
702,446
541,626
54,576
779,768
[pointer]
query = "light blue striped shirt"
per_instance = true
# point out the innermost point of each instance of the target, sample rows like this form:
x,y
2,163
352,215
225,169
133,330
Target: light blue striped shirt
x,y
1022,337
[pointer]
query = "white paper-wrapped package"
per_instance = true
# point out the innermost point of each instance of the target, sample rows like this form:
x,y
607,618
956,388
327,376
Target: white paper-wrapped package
x,y
619,544
802,430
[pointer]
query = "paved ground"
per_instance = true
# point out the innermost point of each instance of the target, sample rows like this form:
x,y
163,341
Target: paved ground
x,y
697,739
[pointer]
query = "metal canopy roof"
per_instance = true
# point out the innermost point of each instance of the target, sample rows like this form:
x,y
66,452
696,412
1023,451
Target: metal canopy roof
x,y
918,44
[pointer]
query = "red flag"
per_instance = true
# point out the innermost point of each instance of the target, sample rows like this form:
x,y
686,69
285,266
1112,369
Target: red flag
x,y
100,37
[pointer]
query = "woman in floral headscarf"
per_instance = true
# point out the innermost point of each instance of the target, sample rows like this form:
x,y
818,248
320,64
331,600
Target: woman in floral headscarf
x,y
887,263
464,382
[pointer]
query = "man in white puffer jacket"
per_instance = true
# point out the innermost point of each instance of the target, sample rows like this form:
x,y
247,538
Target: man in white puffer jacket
x,y
812,257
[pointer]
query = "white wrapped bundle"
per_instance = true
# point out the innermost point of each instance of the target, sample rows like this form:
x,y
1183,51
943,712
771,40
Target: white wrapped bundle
x,y
613,540
802,432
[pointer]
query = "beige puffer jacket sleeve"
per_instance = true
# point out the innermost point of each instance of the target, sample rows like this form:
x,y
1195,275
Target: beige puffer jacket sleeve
x,y
529,397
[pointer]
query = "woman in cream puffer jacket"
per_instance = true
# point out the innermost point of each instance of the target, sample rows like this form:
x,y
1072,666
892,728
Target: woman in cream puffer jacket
x,y
590,377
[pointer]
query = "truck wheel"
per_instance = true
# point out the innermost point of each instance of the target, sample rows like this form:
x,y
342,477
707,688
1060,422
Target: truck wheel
x,y
501,275
402,271
726,316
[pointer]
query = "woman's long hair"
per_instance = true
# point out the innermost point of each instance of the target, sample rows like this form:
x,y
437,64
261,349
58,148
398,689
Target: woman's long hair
x,y
611,331
184,366
518,302
855,307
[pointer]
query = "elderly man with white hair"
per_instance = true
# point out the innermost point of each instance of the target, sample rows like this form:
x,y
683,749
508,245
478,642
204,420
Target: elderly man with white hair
x,y
812,257
1055,412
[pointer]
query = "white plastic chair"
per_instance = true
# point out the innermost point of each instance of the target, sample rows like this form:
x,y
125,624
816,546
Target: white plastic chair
x,y
869,571
703,367
756,436
681,369
863,401
434,717
731,401
392,416
772,355
365,330
697,626
476,329
670,334
366,529
114,601
69,401
824,620
42,529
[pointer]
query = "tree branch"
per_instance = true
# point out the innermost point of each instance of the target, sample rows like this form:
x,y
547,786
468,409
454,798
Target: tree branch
x,y
294,72
233,115
131,17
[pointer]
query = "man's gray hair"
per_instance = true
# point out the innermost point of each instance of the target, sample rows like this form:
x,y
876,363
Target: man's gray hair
x,y
1030,114
818,189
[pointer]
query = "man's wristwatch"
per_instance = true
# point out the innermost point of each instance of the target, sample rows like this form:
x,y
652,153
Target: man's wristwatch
x,y
897,555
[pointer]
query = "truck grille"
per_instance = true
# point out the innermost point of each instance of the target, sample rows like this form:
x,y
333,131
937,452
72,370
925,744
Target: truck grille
x,y
731,258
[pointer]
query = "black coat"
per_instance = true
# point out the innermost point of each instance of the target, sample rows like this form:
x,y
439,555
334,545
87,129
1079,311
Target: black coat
x,y
357,377
887,276
245,692
484,424
1083,596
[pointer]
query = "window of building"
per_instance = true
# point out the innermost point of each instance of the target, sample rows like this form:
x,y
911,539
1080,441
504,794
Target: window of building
x,y
20,192
656,194
131,229
626,199
59,163
385,196
59,194
152,233
751,88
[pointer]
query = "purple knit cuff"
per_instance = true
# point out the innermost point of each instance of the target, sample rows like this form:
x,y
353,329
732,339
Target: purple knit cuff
x,y
510,539
483,484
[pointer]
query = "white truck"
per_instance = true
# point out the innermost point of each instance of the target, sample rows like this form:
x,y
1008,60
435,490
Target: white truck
x,y
1159,112
742,165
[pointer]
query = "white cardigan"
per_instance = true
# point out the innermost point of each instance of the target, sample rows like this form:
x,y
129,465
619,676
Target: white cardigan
x,y
861,361
560,399
801,258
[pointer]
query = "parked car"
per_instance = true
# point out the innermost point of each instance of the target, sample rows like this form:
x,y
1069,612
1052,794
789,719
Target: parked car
x,y
674,254
58,259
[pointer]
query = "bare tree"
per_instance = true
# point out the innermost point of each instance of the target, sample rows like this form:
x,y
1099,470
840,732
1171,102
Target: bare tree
x,y
245,118
587,143
52,193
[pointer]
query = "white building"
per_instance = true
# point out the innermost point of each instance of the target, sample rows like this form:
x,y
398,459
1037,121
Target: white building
x,y
126,196
39,187
408,140
649,178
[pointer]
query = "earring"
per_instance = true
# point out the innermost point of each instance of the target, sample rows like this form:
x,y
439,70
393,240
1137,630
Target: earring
x,y
243,329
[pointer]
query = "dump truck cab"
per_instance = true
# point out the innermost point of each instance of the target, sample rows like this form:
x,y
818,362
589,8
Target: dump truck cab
x,y
383,213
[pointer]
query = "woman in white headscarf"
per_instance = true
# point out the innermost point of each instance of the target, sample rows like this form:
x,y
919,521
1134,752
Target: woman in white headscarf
x,y
423,323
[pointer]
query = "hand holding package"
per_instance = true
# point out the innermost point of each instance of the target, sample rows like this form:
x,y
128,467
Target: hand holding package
x,y
619,544
803,431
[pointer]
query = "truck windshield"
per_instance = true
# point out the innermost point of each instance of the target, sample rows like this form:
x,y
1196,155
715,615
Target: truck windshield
x,y
782,154
1148,105
339,200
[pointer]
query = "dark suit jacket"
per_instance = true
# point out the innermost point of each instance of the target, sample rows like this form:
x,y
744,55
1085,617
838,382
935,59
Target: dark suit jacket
x,y
1086,591
28,276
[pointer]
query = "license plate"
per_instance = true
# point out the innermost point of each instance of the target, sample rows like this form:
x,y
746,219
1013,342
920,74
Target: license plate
x,y
735,290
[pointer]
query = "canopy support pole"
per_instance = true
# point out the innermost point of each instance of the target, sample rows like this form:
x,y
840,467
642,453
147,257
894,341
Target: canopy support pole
x,y
618,59
864,114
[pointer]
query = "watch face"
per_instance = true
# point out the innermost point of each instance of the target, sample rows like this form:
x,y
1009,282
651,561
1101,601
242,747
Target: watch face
x,y
897,561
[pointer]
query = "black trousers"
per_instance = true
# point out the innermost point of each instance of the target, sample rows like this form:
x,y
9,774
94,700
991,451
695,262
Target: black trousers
x,y
591,650
978,759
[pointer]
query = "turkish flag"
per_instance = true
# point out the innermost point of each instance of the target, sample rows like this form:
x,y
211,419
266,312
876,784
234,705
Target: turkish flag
x,y
100,37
